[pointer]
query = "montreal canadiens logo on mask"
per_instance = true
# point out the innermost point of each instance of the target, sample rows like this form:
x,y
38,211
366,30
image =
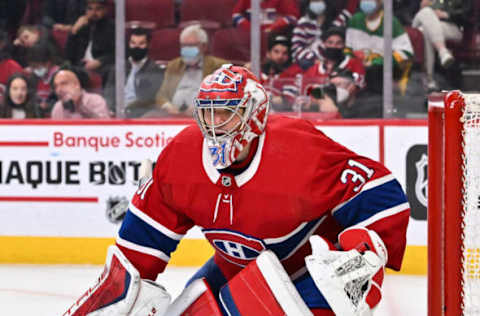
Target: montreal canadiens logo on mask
x,y
235,247
222,81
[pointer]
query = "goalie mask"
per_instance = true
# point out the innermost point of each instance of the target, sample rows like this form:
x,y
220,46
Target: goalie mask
x,y
231,109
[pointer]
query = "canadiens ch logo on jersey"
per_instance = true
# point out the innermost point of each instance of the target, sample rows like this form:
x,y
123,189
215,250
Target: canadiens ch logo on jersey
x,y
235,247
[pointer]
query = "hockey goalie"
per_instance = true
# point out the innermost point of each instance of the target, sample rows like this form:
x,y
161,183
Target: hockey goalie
x,y
300,224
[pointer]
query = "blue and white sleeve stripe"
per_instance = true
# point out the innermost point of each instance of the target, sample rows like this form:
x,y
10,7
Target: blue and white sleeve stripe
x,y
378,199
142,233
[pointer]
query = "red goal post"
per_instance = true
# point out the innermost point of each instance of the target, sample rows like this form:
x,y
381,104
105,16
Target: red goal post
x,y
454,204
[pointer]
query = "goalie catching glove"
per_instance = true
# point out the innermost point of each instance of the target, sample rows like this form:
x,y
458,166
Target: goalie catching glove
x,y
350,279
120,291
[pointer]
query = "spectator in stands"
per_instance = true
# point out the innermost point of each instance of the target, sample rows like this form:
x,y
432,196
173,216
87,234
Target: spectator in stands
x,y
365,37
73,101
439,21
8,66
62,14
277,58
91,43
19,99
184,74
30,35
306,39
276,15
345,73
41,68
278,72
143,76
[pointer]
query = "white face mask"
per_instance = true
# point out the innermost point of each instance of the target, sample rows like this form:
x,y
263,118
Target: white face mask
x,y
317,7
342,95
40,72
368,6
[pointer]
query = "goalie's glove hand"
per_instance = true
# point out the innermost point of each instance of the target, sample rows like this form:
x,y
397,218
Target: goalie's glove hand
x,y
351,278
368,243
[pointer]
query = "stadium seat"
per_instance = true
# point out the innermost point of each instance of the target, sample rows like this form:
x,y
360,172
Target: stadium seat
x,y
162,12
165,44
94,82
234,44
417,40
60,38
214,10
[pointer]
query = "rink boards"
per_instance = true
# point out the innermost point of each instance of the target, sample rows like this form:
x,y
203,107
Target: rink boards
x,y
56,179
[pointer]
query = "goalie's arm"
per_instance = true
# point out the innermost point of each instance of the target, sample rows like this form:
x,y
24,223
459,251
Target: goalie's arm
x,y
375,200
151,230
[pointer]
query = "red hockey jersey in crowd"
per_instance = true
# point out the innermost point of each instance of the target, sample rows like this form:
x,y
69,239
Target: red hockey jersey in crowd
x,y
350,67
276,14
299,183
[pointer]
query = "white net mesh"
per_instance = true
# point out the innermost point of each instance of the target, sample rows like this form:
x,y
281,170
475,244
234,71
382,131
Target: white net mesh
x,y
471,205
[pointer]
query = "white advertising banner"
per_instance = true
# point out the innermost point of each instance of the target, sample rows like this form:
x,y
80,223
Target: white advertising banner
x,y
56,178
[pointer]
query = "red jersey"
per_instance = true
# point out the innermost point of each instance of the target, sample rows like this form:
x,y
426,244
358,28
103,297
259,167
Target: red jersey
x,y
276,14
352,65
299,183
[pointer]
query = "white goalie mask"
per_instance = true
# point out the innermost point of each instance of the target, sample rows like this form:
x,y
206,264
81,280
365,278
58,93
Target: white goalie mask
x,y
231,109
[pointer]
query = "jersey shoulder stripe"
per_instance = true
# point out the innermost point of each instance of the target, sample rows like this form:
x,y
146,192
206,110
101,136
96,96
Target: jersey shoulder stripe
x,y
370,202
150,221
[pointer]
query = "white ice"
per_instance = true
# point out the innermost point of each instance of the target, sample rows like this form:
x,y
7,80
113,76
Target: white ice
x,y
48,290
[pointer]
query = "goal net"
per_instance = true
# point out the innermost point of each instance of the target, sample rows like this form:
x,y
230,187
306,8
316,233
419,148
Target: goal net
x,y
454,204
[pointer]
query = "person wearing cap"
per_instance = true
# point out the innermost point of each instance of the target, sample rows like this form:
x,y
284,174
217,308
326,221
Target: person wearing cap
x,y
277,58
341,73
91,43
278,71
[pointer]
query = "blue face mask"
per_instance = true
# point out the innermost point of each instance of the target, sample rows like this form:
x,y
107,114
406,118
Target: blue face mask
x,y
317,7
190,54
368,6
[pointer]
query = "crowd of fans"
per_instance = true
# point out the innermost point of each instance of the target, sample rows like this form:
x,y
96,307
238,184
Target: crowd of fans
x,y
57,57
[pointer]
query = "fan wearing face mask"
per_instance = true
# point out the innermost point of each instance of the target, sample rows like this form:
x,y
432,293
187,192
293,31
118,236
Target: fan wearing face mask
x,y
184,74
365,37
306,40
341,74
142,76
41,68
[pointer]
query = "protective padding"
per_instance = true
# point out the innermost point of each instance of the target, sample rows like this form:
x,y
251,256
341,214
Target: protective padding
x,y
263,288
118,284
196,299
